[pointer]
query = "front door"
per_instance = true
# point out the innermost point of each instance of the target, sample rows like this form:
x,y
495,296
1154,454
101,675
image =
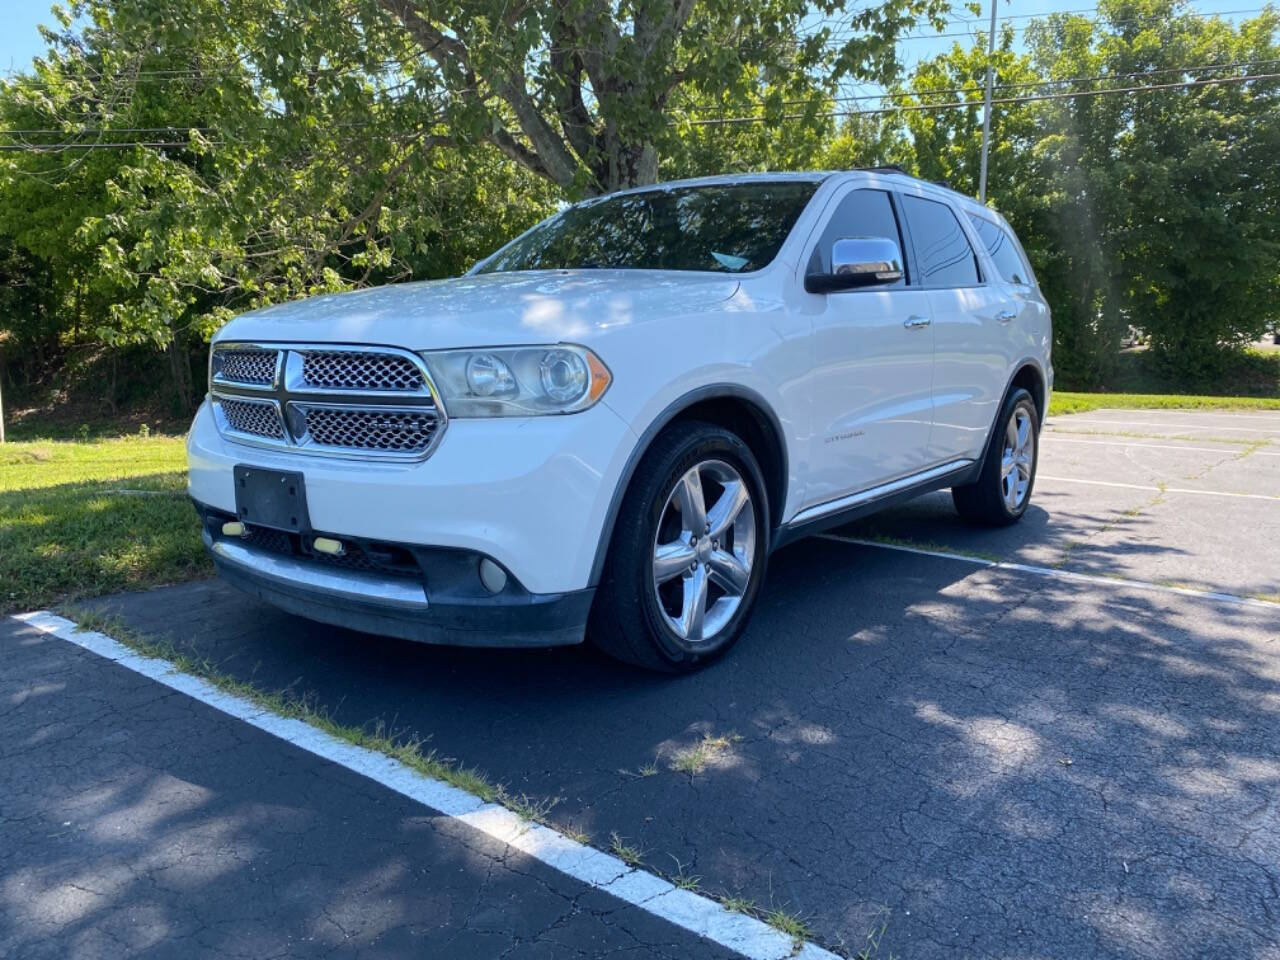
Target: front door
x,y
873,365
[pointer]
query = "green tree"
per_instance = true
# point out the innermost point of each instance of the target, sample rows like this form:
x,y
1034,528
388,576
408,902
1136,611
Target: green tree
x,y
1178,187
581,92
166,180
1155,208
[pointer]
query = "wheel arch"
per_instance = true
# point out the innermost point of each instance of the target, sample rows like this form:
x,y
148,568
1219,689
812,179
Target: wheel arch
x,y
1028,375
729,405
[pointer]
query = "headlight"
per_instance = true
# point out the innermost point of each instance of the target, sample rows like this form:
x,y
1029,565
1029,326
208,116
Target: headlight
x,y
517,381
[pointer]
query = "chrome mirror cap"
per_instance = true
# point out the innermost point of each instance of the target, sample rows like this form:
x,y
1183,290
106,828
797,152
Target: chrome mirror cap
x,y
858,262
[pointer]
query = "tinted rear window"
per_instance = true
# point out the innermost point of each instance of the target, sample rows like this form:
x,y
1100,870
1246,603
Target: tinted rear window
x,y
1003,250
727,228
946,258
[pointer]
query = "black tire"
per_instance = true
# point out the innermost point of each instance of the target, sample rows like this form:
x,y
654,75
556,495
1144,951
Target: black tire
x,y
984,501
628,621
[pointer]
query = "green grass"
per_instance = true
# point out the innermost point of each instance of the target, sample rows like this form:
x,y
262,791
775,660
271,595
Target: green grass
x,y
81,519
790,924
694,760
1063,402
631,856
739,905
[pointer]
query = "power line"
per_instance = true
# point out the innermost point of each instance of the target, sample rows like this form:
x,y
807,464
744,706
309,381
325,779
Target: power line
x,y
195,73
59,147
901,95
1040,83
1101,21
911,108
1067,13
94,131
731,121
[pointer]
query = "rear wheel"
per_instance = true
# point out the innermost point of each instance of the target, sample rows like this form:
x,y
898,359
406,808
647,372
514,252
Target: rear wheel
x,y
688,552
1002,491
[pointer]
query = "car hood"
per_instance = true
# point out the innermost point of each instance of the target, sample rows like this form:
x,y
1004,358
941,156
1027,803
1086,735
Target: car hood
x,y
486,309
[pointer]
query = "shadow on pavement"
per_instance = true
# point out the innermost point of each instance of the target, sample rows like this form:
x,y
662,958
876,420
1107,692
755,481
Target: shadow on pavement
x,y
1006,765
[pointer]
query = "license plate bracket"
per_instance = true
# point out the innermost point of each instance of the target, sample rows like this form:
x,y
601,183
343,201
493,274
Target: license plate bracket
x,y
271,498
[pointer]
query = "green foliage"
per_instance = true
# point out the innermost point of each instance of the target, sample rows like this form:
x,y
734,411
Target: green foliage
x,y
262,171
247,152
1157,210
593,96
168,165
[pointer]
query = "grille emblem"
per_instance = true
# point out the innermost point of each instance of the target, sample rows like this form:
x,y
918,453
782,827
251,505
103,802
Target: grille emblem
x,y
297,422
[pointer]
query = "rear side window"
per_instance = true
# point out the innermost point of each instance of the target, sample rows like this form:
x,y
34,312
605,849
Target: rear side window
x,y
863,213
945,257
1003,250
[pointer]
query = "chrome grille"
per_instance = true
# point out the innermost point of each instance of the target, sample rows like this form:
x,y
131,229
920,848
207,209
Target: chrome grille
x,y
260,418
399,431
246,366
358,370
375,402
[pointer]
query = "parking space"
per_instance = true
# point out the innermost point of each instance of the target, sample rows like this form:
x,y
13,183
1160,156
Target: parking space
x,y
1187,512
136,822
990,762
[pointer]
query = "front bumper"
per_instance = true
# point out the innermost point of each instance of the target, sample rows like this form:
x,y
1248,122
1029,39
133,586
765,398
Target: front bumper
x,y
434,597
533,494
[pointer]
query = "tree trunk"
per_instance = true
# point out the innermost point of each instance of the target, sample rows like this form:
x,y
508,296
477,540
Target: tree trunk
x,y
112,400
180,366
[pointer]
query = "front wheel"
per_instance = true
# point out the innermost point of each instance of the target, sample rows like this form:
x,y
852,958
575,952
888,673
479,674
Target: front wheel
x,y
688,553
1002,491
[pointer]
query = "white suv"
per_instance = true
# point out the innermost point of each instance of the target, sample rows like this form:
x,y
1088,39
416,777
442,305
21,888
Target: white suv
x,y
605,428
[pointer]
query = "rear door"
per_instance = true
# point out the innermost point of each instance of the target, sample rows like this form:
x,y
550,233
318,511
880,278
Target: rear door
x,y
873,363
1026,315
970,314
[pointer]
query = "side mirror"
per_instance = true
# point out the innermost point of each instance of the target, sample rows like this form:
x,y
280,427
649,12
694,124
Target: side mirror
x,y
858,262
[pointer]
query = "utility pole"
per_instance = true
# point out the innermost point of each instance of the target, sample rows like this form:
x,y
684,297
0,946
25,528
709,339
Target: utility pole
x,y
986,107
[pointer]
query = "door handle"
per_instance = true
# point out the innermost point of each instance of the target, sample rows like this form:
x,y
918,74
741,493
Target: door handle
x,y
1004,316
916,322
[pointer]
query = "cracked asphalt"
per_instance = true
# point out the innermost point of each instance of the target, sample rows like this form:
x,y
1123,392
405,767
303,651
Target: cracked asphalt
x,y
986,763
137,822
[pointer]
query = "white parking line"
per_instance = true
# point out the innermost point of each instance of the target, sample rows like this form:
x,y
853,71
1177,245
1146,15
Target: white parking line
x,y
1142,486
698,914
1197,415
1166,425
1055,574
1057,437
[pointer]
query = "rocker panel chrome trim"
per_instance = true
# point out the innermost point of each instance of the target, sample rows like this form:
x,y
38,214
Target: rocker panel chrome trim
x,y
875,493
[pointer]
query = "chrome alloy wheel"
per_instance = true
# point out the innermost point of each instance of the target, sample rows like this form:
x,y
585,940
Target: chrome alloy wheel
x,y
703,551
1016,462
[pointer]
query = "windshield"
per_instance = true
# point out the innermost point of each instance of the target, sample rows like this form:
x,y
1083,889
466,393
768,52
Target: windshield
x,y
728,228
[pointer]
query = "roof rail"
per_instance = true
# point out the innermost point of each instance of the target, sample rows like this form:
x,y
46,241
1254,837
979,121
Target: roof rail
x,y
894,168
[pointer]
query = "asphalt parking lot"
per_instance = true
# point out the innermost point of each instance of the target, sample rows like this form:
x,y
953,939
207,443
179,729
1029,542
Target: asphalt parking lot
x,y
1056,740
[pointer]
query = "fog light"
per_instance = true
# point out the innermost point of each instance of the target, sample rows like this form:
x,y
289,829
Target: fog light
x,y
492,576
233,528
327,545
